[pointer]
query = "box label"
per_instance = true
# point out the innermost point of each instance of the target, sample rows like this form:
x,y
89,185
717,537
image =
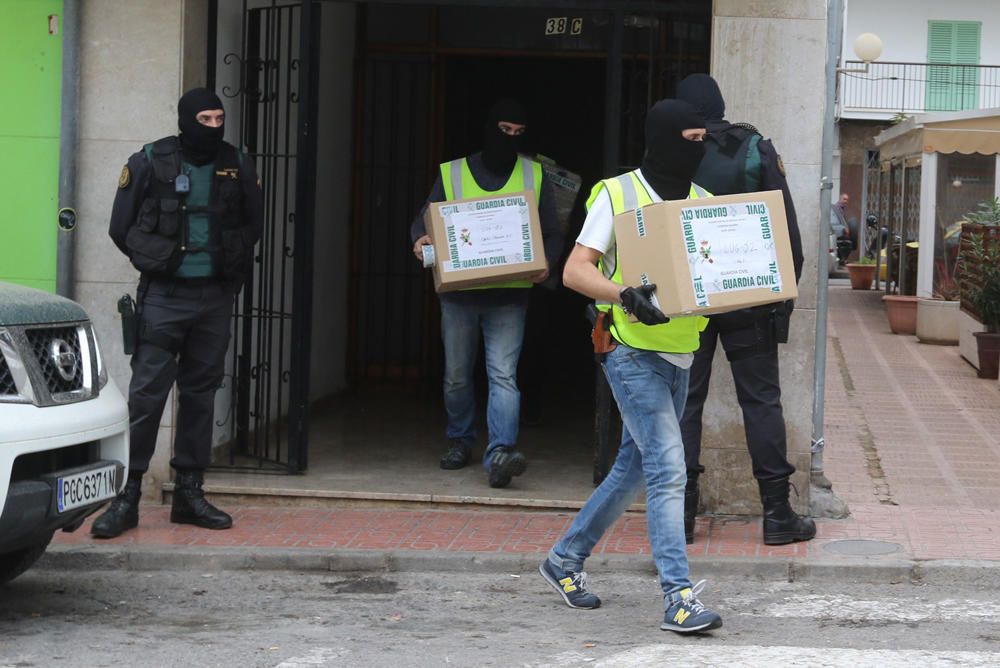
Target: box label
x,y
487,233
640,223
729,248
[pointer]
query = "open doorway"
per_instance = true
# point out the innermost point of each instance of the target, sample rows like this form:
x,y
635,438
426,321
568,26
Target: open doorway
x,y
408,86
563,98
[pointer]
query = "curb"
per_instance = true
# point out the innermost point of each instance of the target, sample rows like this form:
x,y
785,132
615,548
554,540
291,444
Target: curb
x,y
876,571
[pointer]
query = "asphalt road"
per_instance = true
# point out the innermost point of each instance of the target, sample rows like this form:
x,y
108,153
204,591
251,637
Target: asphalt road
x,y
270,619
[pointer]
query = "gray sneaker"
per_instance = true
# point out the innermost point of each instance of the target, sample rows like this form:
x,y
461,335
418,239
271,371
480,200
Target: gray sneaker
x,y
571,586
686,614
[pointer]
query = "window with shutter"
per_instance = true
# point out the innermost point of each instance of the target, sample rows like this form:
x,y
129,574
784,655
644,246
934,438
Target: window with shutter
x,y
950,46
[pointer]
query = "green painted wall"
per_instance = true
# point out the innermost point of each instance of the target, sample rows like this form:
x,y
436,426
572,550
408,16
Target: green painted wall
x,y
30,75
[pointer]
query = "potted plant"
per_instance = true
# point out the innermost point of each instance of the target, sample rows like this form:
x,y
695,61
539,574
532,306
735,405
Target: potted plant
x,y
980,239
901,310
862,273
984,296
938,315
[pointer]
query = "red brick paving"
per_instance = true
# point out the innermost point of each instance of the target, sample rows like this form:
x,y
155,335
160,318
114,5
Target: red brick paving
x,y
915,412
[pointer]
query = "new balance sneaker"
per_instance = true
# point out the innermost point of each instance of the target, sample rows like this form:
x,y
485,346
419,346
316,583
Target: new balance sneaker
x,y
571,586
506,463
686,614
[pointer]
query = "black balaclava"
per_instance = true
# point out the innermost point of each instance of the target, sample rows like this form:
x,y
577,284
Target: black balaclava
x,y
670,160
199,143
500,149
702,92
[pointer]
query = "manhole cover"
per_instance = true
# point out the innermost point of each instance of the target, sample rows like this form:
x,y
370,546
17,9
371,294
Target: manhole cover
x,y
862,548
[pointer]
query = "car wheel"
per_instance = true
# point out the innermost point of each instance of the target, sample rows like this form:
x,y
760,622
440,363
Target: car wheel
x,y
13,564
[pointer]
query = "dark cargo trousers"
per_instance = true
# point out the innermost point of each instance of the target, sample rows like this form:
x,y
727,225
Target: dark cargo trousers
x,y
758,390
183,337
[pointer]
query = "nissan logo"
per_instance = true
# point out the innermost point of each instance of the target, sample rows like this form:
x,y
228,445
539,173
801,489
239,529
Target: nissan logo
x,y
63,359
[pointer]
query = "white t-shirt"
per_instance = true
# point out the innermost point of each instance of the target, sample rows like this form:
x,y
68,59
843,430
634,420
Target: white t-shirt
x,y
598,233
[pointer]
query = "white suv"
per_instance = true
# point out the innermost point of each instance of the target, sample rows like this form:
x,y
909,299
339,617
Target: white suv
x,y
63,424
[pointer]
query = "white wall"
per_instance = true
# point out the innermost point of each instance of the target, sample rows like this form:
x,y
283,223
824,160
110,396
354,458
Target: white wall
x,y
902,25
889,88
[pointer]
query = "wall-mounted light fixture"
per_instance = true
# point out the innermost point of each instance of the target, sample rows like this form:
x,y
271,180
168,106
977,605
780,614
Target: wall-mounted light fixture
x,y
868,48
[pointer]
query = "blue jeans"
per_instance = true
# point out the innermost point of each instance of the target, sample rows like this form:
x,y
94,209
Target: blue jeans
x,y
650,393
503,334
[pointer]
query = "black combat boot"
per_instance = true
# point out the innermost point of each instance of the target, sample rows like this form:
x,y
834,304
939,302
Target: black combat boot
x,y
190,507
781,524
690,507
124,511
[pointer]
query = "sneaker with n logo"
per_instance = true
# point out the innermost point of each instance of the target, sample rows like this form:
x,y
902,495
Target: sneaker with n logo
x,y
686,614
572,586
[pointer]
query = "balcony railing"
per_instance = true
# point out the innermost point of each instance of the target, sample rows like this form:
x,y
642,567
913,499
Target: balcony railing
x,y
890,88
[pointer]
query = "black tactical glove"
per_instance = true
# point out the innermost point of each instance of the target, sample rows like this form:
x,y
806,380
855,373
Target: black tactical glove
x,y
636,300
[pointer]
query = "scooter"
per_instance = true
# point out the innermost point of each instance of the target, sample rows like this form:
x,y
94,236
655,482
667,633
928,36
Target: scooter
x,y
878,236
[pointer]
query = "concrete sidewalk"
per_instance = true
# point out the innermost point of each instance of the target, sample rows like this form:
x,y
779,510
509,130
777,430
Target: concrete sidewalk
x,y
913,447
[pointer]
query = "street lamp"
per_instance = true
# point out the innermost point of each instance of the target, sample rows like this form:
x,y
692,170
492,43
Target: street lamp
x,y
867,47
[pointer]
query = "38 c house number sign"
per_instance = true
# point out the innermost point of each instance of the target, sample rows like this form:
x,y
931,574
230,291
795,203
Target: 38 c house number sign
x,y
563,25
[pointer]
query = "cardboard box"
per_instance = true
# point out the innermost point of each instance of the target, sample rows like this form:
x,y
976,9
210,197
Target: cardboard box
x,y
709,255
565,187
485,240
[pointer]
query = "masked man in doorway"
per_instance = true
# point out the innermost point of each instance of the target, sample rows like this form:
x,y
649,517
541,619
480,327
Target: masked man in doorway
x,y
499,311
738,160
187,213
648,374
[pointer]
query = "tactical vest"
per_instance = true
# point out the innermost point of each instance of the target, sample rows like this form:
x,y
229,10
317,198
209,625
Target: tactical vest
x,y
732,161
680,335
459,183
159,238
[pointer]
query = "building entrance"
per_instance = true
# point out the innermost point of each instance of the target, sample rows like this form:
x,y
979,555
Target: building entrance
x,y
401,88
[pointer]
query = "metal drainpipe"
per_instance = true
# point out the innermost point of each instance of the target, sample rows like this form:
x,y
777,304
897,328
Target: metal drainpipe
x,y
67,146
834,32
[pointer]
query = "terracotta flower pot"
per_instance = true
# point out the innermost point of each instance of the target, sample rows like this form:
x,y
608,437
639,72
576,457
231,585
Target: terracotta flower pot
x,y
989,353
902,313
861,275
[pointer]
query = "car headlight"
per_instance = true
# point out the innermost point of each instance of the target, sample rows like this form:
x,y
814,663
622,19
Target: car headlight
x,y
102,371
14,385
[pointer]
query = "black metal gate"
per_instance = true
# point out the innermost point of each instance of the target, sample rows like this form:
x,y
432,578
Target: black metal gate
x,y
273,102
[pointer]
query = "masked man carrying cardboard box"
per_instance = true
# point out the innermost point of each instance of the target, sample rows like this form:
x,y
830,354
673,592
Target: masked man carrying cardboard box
x,y
648,374
497,309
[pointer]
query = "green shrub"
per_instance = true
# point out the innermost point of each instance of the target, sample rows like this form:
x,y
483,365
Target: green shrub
x,y
984,293
987,213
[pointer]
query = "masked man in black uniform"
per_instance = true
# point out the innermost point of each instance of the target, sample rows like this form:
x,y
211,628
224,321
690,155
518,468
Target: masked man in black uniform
x,y
738,160
187,213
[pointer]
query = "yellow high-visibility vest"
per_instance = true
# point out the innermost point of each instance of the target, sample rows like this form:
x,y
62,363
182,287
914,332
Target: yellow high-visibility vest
x,y
460,184
680,335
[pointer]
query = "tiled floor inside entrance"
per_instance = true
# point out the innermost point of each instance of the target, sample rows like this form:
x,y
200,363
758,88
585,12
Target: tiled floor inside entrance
x,y
386,449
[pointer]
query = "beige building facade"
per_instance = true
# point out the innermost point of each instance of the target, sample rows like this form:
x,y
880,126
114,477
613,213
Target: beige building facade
x,y
138,57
